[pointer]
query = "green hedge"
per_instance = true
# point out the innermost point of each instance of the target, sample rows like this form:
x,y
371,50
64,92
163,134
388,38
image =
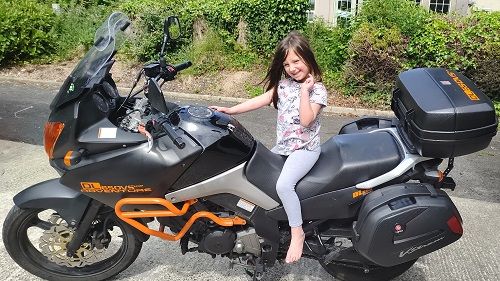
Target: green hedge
x,y
267,21
390,36
75,28
26,30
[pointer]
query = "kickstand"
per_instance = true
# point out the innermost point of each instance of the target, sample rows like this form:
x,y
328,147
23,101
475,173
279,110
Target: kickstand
x,y
258,270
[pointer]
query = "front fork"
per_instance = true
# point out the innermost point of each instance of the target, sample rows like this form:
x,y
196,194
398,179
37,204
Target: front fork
x,y
83,229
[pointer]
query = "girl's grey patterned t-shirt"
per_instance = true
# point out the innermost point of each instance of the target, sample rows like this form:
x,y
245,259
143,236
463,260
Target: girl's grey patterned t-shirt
x,y
290,135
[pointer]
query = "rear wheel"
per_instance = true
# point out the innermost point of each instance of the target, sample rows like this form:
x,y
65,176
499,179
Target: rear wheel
x,y
36,239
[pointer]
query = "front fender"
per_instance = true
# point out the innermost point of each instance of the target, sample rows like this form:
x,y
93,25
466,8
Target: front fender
x,y
51,194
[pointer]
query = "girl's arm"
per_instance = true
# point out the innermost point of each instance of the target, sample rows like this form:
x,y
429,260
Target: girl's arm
x,y
307,110
249,105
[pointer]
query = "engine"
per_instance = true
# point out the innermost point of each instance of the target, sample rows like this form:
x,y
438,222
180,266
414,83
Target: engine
x,y
220,241
138,114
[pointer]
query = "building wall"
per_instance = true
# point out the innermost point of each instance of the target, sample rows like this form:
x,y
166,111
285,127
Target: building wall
x,y
489,5
460,6
324,9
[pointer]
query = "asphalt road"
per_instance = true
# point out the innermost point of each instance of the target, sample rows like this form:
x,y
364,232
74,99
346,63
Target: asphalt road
x,y
24,109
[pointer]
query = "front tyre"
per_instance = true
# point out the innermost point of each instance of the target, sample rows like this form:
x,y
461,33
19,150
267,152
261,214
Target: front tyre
x,y
36,239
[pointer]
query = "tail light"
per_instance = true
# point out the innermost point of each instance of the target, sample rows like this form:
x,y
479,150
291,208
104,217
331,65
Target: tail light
x,y
455,225
51,134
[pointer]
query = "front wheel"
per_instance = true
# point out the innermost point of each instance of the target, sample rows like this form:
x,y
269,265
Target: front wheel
x,y
36,239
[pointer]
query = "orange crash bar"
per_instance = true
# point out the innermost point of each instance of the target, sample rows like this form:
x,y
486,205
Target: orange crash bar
x,y
171,211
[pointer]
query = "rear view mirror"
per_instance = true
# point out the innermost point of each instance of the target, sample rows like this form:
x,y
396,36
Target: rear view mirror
x,y
172,28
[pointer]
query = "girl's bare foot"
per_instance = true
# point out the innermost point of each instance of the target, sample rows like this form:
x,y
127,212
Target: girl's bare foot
x,y
296,244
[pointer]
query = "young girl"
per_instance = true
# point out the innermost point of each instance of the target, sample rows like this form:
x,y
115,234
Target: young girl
x,y
293,86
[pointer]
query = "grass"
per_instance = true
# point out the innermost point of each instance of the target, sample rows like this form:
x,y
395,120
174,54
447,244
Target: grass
x,y
76,28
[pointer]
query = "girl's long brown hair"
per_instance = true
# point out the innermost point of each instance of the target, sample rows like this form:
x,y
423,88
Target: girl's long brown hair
x,y
299,44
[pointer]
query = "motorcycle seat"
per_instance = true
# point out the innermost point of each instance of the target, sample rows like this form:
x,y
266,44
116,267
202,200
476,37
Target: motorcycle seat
x,y
345,161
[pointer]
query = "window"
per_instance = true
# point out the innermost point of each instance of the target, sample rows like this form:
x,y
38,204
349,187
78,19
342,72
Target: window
x,y
440,6
344,12
310,10
417,2
344,5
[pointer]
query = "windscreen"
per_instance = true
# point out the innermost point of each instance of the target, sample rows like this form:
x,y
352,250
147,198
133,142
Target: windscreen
x,y
89,70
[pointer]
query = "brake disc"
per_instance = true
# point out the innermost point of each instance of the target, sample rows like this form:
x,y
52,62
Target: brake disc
x,y
53,245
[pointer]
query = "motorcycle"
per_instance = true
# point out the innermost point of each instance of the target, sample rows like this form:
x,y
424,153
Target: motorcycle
x,y
374,202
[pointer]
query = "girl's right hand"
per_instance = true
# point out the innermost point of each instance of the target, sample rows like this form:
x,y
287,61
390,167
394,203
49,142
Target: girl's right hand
x,y
222,109
308,84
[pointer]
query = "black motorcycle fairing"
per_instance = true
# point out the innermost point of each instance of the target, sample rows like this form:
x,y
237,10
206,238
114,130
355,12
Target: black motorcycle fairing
x,y
52,194
334,205
83,121
132,171
91,140
225,142
345,160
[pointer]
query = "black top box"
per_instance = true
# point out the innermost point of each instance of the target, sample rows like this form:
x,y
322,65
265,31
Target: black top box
x,y
442,113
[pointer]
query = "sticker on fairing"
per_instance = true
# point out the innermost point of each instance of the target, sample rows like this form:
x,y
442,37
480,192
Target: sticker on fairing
x,y
107,133
245,205
71,88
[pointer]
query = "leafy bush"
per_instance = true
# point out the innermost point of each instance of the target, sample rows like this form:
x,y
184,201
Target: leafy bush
x,y
26,30
485,74
209,54
375,59
484,47
497,108
75,28
363,59
267,20
329,44
403,14
376,51
468,44
441,43
271,20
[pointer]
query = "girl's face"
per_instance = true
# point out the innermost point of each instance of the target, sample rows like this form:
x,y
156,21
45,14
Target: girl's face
x,y
295,67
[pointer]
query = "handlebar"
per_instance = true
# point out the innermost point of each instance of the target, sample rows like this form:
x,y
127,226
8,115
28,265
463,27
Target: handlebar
x,y
176,139
164,70
168,71
182,66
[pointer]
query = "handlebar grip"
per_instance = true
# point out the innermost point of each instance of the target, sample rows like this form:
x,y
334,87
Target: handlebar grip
x,y
179,142
176,139
182,66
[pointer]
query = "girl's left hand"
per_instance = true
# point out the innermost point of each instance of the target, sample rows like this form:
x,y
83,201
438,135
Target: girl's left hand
x,y
308,84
